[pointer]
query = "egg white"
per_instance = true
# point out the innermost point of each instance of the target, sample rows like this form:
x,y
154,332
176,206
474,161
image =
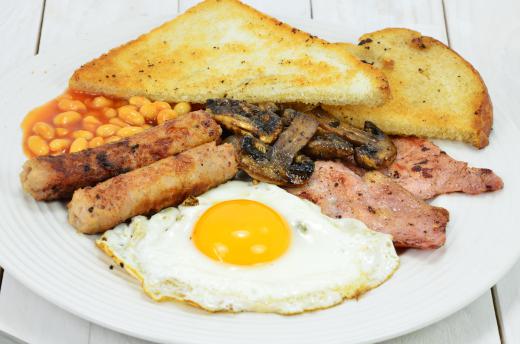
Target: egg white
x,y
328,260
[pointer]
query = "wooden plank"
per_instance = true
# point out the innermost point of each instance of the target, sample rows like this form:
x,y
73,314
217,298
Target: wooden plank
x,y
73,21
487,35
476,323
20,26
286,9
370,15
507,299
35,320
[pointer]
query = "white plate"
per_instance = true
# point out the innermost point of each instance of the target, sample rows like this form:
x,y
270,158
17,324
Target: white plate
x,y
42,251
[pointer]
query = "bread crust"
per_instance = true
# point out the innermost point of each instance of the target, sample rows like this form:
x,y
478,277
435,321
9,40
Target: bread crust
x,y
483,120
223,48
428,98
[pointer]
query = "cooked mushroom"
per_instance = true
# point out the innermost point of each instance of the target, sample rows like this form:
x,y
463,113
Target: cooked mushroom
x,y
328,146
373,148
243,118
253,159
293,139
288,116
280,163
300,170
380,154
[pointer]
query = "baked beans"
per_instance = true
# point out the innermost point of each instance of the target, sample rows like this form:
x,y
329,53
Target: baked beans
x,y
75,121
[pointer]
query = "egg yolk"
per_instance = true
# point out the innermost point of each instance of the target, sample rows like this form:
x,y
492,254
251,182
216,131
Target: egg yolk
x,y
242,232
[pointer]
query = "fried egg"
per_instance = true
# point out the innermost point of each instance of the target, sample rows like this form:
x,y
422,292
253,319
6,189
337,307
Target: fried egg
x,y
247,247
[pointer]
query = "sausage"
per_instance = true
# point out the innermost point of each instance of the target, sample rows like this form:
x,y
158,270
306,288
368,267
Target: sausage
x,y
162,184
50,178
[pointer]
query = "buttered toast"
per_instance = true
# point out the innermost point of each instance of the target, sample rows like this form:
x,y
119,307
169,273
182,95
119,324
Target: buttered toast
x,y
435,92
223,48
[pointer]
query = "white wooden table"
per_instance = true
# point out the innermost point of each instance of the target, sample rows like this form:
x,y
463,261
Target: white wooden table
x,y
486,33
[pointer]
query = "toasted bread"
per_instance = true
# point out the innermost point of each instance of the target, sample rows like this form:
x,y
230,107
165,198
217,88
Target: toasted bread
x,y
435,92
223,48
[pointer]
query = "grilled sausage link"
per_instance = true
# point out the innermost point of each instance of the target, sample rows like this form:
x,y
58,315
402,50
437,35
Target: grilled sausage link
x,y
162,184
50,178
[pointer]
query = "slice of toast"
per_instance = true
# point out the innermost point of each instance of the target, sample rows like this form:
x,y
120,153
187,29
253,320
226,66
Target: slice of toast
x,y
223,48
435,92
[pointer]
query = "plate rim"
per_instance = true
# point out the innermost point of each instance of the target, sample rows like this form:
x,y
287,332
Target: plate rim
x,y
32,61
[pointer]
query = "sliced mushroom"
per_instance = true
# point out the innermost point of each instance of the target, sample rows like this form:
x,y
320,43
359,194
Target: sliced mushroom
x,y
293,139
287,116
300,170
243,118
279,164
253,159
329,146
380,154
373,148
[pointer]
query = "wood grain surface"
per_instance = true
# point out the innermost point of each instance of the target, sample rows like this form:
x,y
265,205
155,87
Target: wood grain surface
x,y
482,31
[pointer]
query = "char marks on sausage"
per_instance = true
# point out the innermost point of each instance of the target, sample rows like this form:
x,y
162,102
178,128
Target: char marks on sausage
x,y
49,178
164,183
